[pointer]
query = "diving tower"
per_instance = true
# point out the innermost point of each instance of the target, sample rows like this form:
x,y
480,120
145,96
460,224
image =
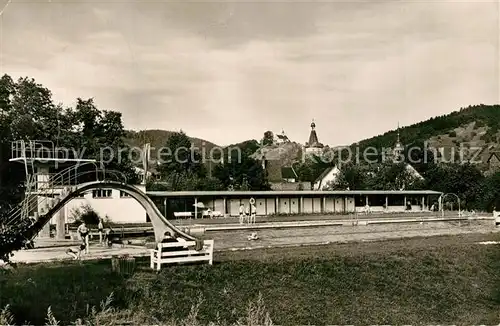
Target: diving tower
x,y
54,177
43,162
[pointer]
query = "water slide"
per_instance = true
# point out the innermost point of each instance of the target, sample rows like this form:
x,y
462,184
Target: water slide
x,y
160,222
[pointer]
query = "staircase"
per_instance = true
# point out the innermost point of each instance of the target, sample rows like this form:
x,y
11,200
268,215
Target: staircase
x,y
48,194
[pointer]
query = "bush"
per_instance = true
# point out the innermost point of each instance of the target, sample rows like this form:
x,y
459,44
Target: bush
x,y
257,314
85,214
452,133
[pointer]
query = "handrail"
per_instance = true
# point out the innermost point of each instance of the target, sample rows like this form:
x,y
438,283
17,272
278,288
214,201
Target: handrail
x,y
46,191
20,146
120,174
50,191
139,195
28,200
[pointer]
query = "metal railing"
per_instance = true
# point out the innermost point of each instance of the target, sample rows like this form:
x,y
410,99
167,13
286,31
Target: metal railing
x,y
101,176
40,150
32,149
52,189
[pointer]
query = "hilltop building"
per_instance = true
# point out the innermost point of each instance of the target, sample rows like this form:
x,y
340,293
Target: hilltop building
x,y
397,156
397,151
313,146
281,138
494,162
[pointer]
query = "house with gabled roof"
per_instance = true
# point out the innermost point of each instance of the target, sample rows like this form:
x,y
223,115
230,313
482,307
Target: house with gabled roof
x,y
493,162
329,175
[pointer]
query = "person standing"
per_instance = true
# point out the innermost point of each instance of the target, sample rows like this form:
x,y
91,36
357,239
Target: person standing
x,y
84,233
253,212
100,227
242,212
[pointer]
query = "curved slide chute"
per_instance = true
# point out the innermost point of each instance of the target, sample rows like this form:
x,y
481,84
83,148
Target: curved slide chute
x,y
160,222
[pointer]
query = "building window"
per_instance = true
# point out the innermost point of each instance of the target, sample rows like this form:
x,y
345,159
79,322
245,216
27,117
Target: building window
x,y
101,193
124,194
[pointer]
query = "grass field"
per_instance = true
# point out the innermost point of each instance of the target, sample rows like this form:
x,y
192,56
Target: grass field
x,y
439,280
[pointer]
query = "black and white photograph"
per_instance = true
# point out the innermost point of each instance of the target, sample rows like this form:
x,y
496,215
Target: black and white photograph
x,y
258,163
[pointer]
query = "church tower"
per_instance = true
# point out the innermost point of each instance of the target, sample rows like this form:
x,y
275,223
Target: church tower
x,y
398,150
313,146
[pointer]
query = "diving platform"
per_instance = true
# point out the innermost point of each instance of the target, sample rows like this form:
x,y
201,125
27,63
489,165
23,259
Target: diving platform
x,y
42,151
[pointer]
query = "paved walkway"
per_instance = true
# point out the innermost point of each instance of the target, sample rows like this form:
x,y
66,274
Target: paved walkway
x,y
237,239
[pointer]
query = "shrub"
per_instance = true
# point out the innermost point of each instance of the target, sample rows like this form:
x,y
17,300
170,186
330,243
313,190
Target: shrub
x,y
452,133
85,214
257,314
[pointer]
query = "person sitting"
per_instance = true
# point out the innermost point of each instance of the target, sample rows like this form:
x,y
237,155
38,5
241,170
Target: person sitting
x,y
168,238
76,253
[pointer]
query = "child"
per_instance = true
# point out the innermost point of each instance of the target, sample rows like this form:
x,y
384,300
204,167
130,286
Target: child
x,y
76,253
253,236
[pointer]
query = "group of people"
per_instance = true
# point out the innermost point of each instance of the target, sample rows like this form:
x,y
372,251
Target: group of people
x,y
84,234
248,213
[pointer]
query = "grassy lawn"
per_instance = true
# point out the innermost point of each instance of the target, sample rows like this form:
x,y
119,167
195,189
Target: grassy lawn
x,y
445,280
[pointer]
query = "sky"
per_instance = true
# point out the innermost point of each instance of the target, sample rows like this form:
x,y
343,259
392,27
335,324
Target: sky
x,y
228,71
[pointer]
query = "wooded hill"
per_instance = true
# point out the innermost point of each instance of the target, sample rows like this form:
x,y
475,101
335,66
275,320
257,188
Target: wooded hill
x,y
473,127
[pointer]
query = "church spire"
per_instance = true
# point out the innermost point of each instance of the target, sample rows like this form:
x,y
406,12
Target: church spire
x,y
398,141
398,148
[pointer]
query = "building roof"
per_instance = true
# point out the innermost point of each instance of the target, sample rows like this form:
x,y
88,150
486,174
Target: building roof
x,y
288,193
273,169
313,138
324,174
288,173
495,154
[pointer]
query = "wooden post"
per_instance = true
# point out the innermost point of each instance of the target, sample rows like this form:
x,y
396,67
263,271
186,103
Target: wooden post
x,y
60,223
195,207
224,208
165,207
323,208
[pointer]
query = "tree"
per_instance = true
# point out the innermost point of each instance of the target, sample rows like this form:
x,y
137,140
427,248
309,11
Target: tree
x,y
27,112
181,166
352,176
464,180
268,138
311,168
488,196
242,172
393,176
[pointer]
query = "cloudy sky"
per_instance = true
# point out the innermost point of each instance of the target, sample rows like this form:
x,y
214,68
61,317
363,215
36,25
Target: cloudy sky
x,y
228,71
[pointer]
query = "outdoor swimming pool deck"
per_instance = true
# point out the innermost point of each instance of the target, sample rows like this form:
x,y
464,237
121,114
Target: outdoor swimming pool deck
x,y
277,237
